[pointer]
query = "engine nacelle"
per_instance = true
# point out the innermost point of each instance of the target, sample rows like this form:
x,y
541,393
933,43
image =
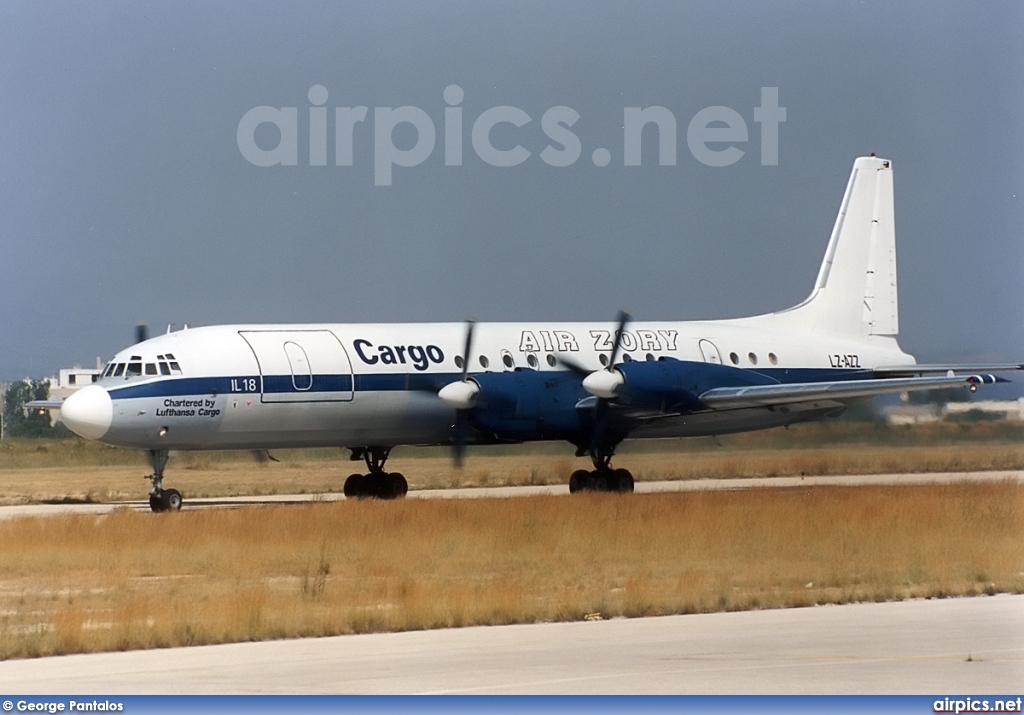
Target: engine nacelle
x,y
526,404
675,385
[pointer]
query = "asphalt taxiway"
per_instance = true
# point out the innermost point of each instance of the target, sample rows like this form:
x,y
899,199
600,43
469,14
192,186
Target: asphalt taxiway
x,y
953,646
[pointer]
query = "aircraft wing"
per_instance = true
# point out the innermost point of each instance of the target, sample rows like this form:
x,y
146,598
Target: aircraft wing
x,y
910,370
727,398
44,404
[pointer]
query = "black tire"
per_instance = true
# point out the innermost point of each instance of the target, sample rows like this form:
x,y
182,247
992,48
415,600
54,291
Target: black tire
x,y
171,500
623,481
399,487
601,481
156,503
354,486
578,481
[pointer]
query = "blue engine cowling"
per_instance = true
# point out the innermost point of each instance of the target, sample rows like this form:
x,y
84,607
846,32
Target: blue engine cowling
x,y
526,404
671,385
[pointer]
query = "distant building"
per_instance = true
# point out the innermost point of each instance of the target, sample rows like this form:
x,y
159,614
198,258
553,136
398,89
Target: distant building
x,y
1005,409
70,379
912,414
66,382
918,414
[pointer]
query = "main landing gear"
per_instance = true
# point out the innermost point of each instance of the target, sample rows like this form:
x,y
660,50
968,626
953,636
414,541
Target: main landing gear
x,y
603,478
161,499
378,483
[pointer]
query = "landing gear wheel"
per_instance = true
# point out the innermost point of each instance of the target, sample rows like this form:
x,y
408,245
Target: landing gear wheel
x,y
622,481
165,500
354,486
378,484
398,486
601,481
171,500
578,481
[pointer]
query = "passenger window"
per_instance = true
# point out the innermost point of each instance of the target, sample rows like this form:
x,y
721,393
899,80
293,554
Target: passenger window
x,y
484,362
551,360
507,359
531,360
603,359
150,368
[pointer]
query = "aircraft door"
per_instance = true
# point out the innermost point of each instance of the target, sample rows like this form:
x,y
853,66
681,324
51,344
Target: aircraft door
x,y
301,365
710,352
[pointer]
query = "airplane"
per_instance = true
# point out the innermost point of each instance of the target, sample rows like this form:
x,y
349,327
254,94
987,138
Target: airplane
x,y
371,387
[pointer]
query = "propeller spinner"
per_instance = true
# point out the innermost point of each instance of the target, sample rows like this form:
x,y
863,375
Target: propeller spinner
x,y
606,382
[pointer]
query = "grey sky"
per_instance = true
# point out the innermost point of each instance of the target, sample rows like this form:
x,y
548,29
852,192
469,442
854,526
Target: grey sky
x,y
124,196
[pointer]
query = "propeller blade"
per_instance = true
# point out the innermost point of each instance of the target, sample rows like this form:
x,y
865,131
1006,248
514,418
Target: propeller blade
x,y
572,366
470,325
623,319
458,440
262,456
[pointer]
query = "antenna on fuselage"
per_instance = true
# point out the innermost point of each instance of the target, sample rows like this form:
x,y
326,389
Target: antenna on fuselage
x,y
141,332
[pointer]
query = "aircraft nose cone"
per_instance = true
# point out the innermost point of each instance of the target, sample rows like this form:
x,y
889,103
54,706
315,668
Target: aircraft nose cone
x,y
88,412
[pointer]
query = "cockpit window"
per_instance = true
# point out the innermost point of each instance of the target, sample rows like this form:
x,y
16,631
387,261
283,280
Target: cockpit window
x,y
136,367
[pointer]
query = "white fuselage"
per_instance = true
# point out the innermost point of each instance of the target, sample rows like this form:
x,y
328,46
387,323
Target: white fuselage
x,y
276,386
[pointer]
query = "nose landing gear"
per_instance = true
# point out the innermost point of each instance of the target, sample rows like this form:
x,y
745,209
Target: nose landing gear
x,y
161,499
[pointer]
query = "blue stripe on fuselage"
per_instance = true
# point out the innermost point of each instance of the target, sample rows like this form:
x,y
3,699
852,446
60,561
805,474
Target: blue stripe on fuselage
x,y
389,382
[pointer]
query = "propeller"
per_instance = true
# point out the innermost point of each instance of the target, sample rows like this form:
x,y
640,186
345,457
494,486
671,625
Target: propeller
x,y
603,383
462,397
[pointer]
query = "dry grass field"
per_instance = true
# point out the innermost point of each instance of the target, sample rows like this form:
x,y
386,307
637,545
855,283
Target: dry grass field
x,y
133,580
75,470
138,580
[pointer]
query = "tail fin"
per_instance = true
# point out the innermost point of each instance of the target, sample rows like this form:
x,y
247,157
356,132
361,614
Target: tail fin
x,y
855,292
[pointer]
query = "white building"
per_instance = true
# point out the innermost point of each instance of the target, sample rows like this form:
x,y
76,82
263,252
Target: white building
x,y
1007,409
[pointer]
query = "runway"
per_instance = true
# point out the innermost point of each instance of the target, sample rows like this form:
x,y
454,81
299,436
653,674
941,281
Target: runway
x,y
10,512
955,646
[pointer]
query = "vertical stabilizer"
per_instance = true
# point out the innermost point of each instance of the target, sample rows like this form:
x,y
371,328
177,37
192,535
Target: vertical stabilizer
x,y
855,292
